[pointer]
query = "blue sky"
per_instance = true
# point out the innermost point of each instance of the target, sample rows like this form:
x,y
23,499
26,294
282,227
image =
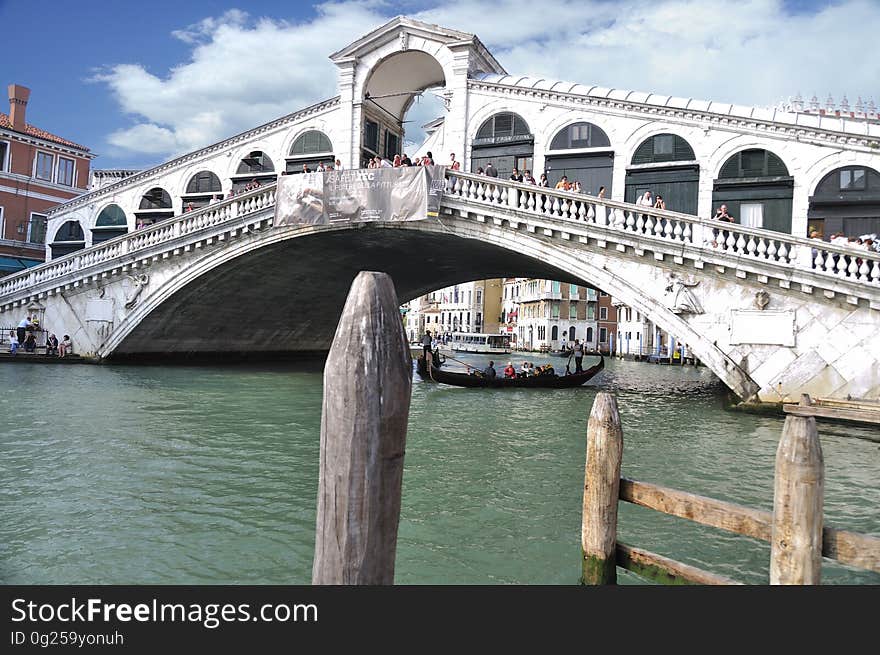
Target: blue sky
x,y
141,82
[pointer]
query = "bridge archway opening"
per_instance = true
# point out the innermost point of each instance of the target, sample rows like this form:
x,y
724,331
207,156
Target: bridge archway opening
x,y
202,188
665,165
581,152
111,222
155,206
846,200
505,141
393,86
308,151
67,239
757,189
256,166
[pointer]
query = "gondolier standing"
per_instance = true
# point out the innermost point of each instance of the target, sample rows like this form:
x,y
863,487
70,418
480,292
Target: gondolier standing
x,y
578,356
426,345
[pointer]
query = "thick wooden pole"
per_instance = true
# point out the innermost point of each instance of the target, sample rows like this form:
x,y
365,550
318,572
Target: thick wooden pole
x,y
601,489
367,385
799,485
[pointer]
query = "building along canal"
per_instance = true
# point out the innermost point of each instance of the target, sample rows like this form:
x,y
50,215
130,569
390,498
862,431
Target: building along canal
x,y
208,475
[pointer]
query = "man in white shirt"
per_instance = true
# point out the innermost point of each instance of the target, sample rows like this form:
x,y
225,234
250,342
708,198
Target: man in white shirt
x,y
338,166
23,327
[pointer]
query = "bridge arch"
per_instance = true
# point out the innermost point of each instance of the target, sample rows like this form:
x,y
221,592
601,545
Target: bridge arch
x,y
208,287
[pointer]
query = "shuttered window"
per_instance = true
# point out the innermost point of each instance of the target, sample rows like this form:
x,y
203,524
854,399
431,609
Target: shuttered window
x,y
753,163
661,148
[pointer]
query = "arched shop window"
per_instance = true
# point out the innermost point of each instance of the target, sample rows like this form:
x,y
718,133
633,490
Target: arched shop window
x,y
757,189
111,222
68,238
506,141
257,166
310,148
846,200
202,188
665,165
592,169
155,206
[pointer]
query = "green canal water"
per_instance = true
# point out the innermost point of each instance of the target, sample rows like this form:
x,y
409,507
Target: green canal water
x,y
208,475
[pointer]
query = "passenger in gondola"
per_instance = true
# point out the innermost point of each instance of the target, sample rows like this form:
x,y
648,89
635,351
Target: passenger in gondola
x,y
548,369
509,371
489,371
524,370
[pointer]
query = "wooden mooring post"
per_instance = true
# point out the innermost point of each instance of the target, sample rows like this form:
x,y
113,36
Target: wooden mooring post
x,y
367,387
798,492
601,490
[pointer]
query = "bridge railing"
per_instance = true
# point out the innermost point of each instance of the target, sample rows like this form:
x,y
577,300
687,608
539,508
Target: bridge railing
x,y
860,266
160,232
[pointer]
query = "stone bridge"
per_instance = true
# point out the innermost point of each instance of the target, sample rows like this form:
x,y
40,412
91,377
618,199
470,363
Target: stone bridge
x,y
771,314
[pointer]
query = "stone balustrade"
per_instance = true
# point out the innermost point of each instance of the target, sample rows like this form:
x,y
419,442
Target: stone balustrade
x,y
825,259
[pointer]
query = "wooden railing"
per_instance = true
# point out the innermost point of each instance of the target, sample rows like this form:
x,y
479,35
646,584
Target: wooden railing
x,y
760,245
795,529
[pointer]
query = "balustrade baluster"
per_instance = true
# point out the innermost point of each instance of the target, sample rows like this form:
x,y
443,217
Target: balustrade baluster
x,y
564,207
677,232
554,209
853,269
771,250
842,264
741,245
667,229
830,264
649,224
863,271
582,211
640,224
686,234
762,248
750,246
629,223
532,198
593,212
618,219
658,226
730,241
875,272
499,195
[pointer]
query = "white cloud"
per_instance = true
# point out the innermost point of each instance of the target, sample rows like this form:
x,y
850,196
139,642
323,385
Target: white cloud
x,y
246,70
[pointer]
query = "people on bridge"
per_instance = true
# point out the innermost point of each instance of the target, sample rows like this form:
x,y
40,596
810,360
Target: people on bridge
x,y
720,215
528,178
454,164
515,176
509,371
406,161
563,184
543,181
601,193
489,371
52,346
576,187
65,348
491,171
659,203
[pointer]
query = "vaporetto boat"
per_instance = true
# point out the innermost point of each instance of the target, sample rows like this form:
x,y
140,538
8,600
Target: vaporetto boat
x,y
480,342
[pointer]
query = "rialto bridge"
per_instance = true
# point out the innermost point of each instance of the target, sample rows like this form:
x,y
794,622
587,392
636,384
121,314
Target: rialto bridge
x,y
772,313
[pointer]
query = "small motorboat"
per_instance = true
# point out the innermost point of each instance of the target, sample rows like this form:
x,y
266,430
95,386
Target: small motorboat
x,y
476,379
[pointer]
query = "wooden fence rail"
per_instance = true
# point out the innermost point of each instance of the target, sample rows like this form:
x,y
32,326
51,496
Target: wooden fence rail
x,y
794,529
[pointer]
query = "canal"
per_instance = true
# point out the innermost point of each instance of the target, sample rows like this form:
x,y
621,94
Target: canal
x,y
208,475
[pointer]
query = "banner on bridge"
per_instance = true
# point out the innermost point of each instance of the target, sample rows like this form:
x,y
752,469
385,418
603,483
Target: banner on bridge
x,y
408,193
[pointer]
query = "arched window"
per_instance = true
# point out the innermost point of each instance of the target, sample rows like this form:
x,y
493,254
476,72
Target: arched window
x,y
68,238
204,182
111,216
503,126
580,135
255,162
846,200
753,163
111,222
309,150
677,182
155,198
311,142
504,140
70,231
757,189
155,206
554,333
589,337
661,148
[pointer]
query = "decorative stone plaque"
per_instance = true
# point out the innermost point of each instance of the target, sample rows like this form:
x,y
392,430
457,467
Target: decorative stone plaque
x,y
99,310
767,327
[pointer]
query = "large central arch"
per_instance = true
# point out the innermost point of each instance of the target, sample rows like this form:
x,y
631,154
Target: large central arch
x,y
284,290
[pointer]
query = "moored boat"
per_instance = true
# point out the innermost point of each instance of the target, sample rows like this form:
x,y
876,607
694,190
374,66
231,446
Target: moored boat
x,y
476,380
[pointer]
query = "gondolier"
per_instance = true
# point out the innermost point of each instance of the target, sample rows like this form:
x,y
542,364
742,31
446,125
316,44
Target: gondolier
x,y
578,356
426,344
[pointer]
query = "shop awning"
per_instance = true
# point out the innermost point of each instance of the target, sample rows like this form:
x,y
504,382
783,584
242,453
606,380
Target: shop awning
x,y
15,264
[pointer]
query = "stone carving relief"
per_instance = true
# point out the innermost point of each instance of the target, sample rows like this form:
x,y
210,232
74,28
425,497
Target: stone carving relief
x,y
762,299
138,284
404,40
681,300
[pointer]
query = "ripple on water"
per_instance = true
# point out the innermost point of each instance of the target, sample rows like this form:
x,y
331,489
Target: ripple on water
x,y
209,475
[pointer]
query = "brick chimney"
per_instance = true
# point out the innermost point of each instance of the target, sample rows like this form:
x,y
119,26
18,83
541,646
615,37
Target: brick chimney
x,y
18,99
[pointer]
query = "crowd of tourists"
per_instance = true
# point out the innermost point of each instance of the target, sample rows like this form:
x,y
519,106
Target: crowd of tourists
x,y
24,338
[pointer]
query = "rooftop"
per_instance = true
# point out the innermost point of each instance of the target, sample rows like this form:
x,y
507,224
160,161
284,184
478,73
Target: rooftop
x,y
32,130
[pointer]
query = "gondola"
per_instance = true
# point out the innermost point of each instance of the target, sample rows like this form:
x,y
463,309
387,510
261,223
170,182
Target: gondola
x,y
532,382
